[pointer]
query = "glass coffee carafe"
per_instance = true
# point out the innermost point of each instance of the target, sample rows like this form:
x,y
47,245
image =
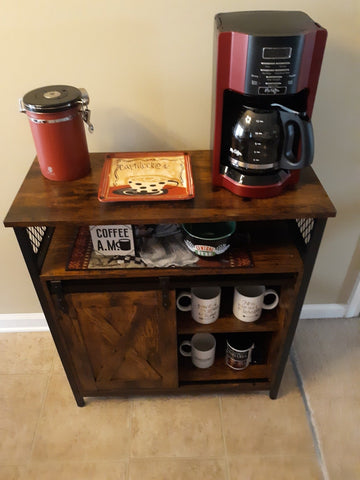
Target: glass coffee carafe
x,y
265,140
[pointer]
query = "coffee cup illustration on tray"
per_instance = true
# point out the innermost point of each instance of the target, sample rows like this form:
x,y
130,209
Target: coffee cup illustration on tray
x,y
150,184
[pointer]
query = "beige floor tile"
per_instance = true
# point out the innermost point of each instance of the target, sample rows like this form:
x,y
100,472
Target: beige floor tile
x,y
337,421
343,467
177,469
326,352
57,365
288,382
255,424
9,473
177,427
74,471
26,353
281,467
182,437
21,398
328,356
97,432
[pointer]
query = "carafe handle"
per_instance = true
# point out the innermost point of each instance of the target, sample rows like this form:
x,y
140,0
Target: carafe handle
x,y
289,158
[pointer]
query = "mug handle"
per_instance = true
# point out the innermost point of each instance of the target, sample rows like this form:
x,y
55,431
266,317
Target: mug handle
x,y
274,303
186,343
187,308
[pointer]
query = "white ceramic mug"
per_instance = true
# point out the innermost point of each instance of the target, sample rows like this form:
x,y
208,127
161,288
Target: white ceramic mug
x,y
204,303
202,349
250,300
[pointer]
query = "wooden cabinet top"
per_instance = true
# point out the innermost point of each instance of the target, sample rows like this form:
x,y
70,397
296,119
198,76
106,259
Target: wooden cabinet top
x,y
45,202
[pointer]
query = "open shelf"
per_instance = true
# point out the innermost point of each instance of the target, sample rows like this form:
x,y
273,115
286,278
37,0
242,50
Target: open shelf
x,y
270,246
220,372
268,322
259,368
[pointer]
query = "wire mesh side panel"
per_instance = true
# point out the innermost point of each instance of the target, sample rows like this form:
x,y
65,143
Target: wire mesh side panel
x,y
34,243
36,236
305,226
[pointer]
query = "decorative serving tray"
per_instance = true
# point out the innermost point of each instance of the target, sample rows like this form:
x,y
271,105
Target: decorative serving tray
x,y
149,176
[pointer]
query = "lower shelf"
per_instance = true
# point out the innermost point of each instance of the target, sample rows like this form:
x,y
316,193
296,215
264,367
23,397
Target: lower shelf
x,y
258,370
196,388
220,372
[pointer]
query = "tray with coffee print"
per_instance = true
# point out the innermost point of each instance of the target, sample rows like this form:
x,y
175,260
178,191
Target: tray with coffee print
x,y
149,176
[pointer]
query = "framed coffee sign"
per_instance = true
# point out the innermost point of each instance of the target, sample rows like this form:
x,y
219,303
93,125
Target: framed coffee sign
x,y
146,176
113,239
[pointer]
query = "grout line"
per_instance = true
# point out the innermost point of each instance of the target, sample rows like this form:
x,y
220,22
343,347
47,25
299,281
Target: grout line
x,y
42,408
131,436
227,471
43,401
309,414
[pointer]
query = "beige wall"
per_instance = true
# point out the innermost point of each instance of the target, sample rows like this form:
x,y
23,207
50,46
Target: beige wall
x,y
147,67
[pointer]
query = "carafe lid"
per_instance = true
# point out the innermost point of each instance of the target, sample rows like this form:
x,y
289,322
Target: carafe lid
x,y
52,98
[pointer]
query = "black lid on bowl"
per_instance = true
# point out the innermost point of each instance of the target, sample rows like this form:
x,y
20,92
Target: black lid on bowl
x,y
52,98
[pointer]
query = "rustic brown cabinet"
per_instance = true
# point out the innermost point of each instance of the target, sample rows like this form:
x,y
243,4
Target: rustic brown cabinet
x,y
118,331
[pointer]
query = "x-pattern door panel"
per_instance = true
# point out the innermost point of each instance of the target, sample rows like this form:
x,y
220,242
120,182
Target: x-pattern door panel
x,y
122,339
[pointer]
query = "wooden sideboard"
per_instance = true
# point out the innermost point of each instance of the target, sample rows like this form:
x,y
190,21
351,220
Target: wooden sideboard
x,y
117,331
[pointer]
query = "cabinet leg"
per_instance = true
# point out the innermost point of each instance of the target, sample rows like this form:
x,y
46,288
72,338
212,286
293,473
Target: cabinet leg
x,y
33,263
309,258
273,394
79,401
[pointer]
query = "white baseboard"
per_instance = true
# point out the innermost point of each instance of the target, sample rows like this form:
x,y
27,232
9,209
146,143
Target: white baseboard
x,y
353,306
35,322
326,310
23,322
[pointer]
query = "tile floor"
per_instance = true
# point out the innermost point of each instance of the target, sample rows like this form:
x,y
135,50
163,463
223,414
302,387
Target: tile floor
x,y
310,432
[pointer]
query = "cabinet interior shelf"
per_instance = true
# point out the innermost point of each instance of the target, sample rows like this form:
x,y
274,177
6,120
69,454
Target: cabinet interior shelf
x,y
268,322
220,372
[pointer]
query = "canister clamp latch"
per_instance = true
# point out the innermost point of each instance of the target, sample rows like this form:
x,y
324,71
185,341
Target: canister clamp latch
x,y
21,106
85,112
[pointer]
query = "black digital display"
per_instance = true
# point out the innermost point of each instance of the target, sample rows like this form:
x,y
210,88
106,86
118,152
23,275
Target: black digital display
x,y
273,65
276,52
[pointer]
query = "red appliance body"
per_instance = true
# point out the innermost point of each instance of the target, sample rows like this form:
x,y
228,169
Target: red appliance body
x,y
262,58
56,116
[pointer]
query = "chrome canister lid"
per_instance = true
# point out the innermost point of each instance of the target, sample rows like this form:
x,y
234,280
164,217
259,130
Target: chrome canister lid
x,y
52,98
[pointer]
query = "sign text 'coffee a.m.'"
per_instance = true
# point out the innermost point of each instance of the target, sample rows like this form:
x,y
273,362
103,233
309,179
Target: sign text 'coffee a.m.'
x,y
113,239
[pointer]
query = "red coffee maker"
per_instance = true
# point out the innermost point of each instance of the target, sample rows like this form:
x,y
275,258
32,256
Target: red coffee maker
x,y
266,72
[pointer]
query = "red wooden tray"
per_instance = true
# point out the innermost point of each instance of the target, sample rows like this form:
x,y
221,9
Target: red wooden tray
x,y
146,176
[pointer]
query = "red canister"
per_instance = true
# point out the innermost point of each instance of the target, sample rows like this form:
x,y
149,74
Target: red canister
x,y
56,114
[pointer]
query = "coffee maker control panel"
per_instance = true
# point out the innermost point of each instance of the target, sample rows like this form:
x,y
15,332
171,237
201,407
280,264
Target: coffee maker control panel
x,y
273,65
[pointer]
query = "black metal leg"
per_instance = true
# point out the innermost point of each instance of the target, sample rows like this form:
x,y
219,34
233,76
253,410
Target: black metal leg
x,y
33,262
309,258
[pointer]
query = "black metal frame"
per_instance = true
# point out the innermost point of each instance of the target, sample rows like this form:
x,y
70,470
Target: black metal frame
x,y
34,243
308,234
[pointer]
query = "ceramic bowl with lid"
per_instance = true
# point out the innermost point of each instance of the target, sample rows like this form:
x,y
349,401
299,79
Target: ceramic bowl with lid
x,y
208,239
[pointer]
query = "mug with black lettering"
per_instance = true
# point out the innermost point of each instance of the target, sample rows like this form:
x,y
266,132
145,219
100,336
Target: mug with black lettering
x,y
249,300
239,349
203,302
